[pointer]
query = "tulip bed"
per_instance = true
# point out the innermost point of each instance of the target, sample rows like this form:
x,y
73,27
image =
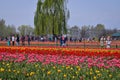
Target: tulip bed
x,y
59,63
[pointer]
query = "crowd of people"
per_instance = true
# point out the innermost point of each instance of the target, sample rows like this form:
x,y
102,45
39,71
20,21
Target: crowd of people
x,y
105,41
11,40
16,39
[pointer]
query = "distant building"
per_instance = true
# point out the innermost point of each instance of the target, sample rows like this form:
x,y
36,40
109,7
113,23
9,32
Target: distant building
x,y
116,36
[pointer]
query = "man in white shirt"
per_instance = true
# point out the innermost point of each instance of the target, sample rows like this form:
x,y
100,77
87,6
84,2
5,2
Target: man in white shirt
x,y
13,40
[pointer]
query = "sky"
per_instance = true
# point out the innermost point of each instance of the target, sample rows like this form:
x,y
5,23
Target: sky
x,y
82,12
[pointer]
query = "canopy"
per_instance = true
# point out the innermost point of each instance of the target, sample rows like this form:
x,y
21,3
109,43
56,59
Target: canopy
x,y
116,35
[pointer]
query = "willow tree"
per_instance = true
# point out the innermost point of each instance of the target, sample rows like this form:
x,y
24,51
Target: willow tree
x,y
51,17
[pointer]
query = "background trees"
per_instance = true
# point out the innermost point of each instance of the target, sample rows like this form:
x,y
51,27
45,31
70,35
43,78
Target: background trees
x,y
10,30
100,30
6,30
25,30
51,17
75,31
2,27
91,31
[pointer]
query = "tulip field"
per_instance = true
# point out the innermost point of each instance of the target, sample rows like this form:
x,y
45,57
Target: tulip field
x,y
58,63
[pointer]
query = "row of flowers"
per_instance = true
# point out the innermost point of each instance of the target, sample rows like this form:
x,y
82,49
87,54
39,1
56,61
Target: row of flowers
x,y
62,51
56,63
62,60
37,71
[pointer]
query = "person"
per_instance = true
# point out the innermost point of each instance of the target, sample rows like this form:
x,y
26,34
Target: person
x,y
28,39
13,40
23,40
8,41
61,42
17,40
102,42
42,39
108,42
65,40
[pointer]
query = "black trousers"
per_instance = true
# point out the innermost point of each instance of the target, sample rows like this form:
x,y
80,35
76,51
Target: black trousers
x,y
13,42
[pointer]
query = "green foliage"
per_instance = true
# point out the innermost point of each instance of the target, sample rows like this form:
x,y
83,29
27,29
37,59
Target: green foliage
x,y
37,71
2,27
6,30
25,30
100,30
51,17
84,30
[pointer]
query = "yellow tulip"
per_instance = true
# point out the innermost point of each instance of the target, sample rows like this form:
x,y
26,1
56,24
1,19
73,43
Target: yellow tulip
x,y
59,71
110,75
9,70
64,75
97,71
7,64
49,72
3,63
91,73
73,77
54,67
32,73
95,77
2,69
99,74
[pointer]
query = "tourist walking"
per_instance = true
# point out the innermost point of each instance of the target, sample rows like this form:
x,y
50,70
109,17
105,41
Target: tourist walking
x,y
102,42
8,41
108,42
17,40
23,40
13,40
28,39
61,41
